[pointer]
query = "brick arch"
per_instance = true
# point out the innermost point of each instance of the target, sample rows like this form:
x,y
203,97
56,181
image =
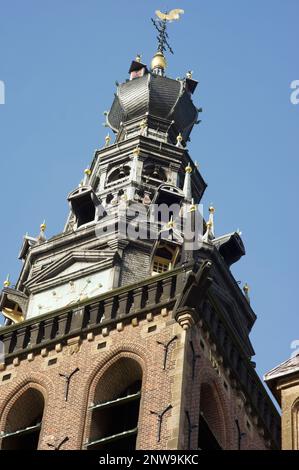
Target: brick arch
x,y
136,353
220,421
33,381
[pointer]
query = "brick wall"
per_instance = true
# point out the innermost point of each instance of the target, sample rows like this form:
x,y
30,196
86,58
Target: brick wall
x,y
140,341
212,383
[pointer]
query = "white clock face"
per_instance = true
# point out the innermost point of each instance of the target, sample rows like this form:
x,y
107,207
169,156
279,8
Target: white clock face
x,y
70,293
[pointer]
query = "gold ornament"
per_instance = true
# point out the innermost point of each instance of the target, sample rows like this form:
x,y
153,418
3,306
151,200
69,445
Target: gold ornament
x,y
7,282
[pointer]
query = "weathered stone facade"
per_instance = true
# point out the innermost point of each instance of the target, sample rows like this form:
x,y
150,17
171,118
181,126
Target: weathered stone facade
x,y
283,381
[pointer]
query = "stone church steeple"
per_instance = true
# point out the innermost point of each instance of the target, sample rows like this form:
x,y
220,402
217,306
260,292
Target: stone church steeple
x,y
134,305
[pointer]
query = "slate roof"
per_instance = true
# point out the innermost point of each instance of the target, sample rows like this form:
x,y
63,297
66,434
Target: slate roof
x,y
287,367
158,96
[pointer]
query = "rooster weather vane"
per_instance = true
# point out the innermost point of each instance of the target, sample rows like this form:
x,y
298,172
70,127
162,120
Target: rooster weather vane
x,y
161,26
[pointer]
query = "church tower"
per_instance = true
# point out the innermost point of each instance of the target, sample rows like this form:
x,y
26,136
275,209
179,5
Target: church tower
x,y
128,330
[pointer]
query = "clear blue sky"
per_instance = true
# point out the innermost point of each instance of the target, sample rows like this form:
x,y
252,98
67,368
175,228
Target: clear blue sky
x,y
59,61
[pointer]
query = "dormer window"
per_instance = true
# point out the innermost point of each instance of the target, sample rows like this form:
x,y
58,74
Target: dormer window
x,y
165,257
85,205
137,69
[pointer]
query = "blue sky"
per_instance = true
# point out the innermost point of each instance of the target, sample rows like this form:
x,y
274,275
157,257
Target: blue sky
x,y
59,61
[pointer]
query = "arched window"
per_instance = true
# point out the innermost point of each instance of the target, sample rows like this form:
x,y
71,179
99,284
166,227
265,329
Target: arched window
x,y
115,412
23,423
153,174
210,427
118,175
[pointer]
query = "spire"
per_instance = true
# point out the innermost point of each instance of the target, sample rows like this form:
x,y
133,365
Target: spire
x,y
187,188
159,64
209,234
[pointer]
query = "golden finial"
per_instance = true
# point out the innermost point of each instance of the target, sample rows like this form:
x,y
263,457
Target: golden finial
x,y
143,124
87,171
179,139
246,289
170,223
138,58
158,61
188,168
107,140
189,74
7,282
192,208
136,151
43,226
211,209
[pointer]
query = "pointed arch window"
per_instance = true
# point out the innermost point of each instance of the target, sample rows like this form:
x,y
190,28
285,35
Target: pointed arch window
x,y
115,412
23,423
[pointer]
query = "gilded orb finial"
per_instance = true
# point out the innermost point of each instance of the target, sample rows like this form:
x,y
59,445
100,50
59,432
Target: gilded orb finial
x,y
87,171
107,140
43,226
188,168
179,140
246,288
7,282
136,151
212,209
158,62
